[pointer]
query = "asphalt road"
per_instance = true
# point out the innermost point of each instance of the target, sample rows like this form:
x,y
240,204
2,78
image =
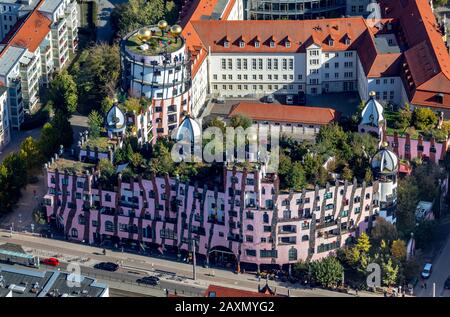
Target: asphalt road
x,y
104,29
135,266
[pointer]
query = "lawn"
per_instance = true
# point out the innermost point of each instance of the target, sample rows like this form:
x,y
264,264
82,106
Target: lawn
x,y
158,43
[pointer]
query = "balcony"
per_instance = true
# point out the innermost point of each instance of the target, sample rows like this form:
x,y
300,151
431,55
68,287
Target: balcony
x,y
128,204
326,224
216,220
287,229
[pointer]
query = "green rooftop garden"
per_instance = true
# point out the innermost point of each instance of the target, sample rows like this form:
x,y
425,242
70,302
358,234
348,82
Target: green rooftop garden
x,y
72,166
421,121
101,142
157,43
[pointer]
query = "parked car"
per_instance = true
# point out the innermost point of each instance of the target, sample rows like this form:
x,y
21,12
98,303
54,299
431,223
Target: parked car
x,y
107,266
427,270
51,262
270,98
220,100
149,280
289,100
447,283
301,98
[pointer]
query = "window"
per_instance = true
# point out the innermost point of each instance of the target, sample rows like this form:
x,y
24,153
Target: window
x,y
244,63
275,64
226,44
269,64
272,44
74,233
250,252
284,64
241,44
260,63
254,63
292,254
239,64
249,227
288,44
109,226
230,63
268,253
256,44
224,63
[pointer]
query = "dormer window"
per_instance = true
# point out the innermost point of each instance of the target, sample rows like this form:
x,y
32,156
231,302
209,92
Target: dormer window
x,y
241,44
256,43
288,44
440,98
347,41
272,44
330,42
226,44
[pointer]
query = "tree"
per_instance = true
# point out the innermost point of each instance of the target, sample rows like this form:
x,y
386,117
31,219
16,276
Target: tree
x,y
439,3
383,230
17,174
63,94
31,152
64,130
405,118
136,13
105,105
407,199
300,270
218,123
424,233
390,273
398,250
48,143
368,175
347,173
327,272
424,118
296,179
363,243
240,121
97,73
95,122
330,139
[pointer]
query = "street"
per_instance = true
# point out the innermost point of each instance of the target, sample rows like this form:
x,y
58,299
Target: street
x,y
441,270
174,275
104,29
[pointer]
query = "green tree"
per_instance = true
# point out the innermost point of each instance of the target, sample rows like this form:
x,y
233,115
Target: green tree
x,y
330,139
398,250
368,175
136,13
327,272
405,118
97,73
383,230
31,153
407,199
17,174
300,270
218,123
296,179
48,142
389,273
95,122
5,199
347,173
64,130
240,121
63,94
424,118
363,243
425,233
105,105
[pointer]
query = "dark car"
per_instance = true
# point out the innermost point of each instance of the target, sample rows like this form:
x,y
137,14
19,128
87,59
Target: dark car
x,y
149,280
301,98
447,283
107,266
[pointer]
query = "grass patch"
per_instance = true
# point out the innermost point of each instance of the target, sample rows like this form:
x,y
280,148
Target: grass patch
x,y
158,43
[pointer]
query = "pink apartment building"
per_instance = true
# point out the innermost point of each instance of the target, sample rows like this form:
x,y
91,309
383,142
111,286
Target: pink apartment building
x,y
246,219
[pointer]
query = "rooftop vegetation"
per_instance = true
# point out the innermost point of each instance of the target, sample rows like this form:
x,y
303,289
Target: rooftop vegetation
x,y
157,43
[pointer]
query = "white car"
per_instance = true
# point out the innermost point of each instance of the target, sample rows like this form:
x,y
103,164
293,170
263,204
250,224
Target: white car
x,y
427,270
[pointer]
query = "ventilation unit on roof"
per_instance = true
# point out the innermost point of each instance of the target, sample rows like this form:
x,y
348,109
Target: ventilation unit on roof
x,y
17,289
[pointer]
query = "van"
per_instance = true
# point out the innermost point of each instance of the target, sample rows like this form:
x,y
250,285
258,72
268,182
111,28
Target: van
x,y
289,100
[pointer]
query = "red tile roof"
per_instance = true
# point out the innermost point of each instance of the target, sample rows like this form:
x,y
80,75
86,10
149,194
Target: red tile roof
x,y
282,113
221,291
427,57
30,32
301,34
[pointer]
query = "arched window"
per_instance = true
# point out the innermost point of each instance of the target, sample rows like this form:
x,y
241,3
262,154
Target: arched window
x,y
109,226
266,218
292,254
74,233
305,237
249,227
147,232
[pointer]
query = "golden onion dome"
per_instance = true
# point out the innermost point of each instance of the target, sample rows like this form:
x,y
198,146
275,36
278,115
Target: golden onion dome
x,y
145,34
162,25
176,30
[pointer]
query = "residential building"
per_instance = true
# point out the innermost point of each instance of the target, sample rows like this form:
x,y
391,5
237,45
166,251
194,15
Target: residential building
x,y
5,134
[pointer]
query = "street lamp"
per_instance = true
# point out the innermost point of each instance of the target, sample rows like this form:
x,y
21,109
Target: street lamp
x,y
194,260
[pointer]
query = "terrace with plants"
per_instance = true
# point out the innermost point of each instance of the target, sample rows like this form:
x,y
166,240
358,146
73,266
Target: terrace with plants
x,y
156,42
421,121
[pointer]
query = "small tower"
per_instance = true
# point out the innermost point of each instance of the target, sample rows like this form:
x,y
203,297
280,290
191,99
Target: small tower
x,y
189,135
115,122
385,168
372,118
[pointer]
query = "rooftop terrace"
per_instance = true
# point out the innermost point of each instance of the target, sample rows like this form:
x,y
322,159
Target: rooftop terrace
x,y
154,44
71,166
